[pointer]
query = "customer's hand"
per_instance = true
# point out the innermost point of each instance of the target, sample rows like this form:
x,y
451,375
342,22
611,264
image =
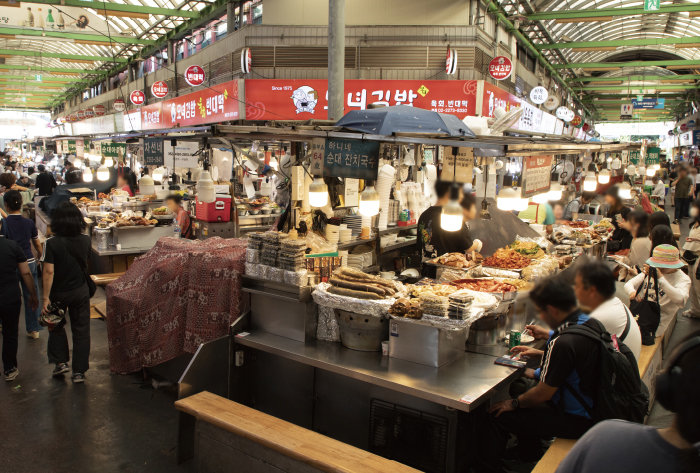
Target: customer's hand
x,y
527,352
45,306
501,407
645,269
540,333
529,373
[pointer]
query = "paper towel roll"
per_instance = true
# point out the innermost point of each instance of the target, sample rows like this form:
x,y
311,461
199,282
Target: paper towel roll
x,y
429,182
384,183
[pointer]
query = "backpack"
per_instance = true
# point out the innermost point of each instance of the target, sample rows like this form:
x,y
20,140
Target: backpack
x,y
620,392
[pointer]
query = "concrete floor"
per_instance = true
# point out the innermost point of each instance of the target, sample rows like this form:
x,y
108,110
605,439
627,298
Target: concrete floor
x,y
111,423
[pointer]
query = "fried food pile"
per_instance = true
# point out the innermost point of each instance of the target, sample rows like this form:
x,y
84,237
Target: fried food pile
x,y
529,249
506,258
484,285
410,308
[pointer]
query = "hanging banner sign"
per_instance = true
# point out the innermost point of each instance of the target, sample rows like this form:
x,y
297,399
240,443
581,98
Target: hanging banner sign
x,y
246,60
537,171
351,158
649,104
89,113
451,61
318,151
626,110
59,147
465,164
294,99
80,149
113,150
159,89
500,68
218,103
70,147
99,110
634,157
653,156
194,75
539,95
495,97
137,97
119,105
577,121
153,151
183,154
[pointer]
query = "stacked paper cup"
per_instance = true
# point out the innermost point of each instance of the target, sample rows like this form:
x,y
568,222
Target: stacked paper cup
x,y
384,184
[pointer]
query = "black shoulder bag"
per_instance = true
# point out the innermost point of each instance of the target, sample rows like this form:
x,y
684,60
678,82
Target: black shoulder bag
x,y
648,312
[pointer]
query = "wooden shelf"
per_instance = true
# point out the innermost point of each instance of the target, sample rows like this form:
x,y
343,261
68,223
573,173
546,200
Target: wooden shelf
x,y
396,246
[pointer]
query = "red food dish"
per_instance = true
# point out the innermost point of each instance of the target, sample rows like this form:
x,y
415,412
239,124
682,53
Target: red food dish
x,y
484,285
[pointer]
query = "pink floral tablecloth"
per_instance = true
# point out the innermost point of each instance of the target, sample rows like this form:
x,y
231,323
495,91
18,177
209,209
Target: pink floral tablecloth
x,y
178,295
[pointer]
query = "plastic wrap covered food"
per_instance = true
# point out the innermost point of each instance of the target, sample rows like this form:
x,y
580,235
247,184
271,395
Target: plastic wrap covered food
x,y
505,258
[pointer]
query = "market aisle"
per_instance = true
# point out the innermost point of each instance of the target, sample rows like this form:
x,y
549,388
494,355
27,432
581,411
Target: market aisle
x,y
109,424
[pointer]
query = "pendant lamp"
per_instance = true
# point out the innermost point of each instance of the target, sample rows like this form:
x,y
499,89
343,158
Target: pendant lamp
x,y
625,191
589,183
318,193
451,216
369,202
505,199
604,176
87,174
103,173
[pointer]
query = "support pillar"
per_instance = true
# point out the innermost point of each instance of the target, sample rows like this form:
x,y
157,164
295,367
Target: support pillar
x,y
230,17
336,59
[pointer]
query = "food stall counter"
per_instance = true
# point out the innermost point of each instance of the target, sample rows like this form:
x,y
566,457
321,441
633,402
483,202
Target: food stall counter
x,y
463,384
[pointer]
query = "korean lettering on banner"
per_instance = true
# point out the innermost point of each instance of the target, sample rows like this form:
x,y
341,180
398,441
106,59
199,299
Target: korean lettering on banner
x,y
59,147
351,158
183,154
653,156
465,164
151,116
318,149
634,157
79,149
153,152
537,171
71,147
113,150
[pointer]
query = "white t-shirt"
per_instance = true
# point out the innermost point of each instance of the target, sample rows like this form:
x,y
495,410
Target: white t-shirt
x,y
674,290
659,189
613,315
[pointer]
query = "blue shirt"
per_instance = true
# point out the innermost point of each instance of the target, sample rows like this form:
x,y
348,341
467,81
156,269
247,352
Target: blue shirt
x,y
22,231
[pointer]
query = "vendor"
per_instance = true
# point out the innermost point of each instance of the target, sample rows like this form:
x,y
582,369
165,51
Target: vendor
x,y
620,239
174,203
542,214
126,181
578,205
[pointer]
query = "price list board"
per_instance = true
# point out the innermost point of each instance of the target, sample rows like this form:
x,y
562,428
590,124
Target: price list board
x,y
537,171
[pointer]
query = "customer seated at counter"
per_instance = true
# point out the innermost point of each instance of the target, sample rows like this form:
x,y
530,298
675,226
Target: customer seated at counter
x,y
625,447
620,239
549,409
594,285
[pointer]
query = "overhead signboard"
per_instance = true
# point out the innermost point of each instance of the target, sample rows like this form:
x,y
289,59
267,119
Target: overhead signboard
x,y
626,111
653,156
351,158
634,157
536,174
113,150
194,75
495,97
218,103
651,5
137,97
159,89
294,99
648,104
539,95
457,167
153,151
451,61
500,68
183,154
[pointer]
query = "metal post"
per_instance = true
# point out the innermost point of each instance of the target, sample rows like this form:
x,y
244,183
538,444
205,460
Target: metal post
x,y
241,15
230,17
336,58
172,50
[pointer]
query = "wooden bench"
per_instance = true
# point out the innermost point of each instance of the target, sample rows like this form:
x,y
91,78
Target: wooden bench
x,y
106,278
229,434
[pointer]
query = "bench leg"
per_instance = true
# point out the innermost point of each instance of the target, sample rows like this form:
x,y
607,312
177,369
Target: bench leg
x,y
185,437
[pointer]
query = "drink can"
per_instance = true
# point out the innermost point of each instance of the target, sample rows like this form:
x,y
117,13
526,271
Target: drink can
x,y
514,338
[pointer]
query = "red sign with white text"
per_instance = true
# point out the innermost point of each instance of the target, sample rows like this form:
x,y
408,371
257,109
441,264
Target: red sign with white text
x,y
496,97
288,99
159,89
500,68
137,97
194,75
218,103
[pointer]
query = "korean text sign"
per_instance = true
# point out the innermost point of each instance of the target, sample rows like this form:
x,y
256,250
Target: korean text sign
x,y
153,151
536,175
113,150
351,158
464,160
287,99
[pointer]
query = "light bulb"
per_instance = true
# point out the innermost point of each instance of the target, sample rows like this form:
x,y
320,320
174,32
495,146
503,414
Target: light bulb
x,y
589,183
102,173
641,171
616,164
604,176
656,167
541,198
451,217
77,164
625,191
318,193
109,162
369,202
505,200
87,174
555,191
520,203
158,174
651,171
631,169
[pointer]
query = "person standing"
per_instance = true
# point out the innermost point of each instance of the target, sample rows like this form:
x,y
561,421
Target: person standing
x,y
23,232
695,177
12,262
65,271
126,181
620,239
45,182
692,246
683,186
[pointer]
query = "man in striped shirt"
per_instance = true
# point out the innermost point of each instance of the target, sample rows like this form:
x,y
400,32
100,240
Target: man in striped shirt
x,y
569,363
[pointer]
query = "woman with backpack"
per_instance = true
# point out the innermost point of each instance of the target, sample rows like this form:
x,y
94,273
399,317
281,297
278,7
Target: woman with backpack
x,y
65,284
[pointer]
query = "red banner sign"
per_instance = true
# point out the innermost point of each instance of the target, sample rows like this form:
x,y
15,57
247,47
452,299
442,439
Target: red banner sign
x,y
159,89
495,97
218,103
287,99
577,121
99,110
119,105
194,75
500,68
137,97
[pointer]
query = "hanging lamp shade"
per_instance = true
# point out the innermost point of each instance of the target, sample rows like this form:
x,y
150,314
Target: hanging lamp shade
x,y
555,191
590,183
625,191
505,200
604,176
451,216
87,174
318,193
103,173
369,202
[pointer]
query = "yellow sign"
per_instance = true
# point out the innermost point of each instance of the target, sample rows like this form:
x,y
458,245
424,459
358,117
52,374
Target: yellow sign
x,y
423,91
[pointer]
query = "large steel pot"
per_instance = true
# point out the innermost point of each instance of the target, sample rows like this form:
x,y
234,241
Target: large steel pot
x,y
362,332
489,330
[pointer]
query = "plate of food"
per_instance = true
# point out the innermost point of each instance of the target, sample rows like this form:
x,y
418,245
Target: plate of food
x,y
525,338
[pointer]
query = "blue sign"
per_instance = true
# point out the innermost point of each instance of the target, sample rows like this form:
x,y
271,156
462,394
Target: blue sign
x,y
351,158
696,137
648,104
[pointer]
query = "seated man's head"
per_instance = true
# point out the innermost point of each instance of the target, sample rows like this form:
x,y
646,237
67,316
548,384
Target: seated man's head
x,y
594,284
468,204
554,300
587,197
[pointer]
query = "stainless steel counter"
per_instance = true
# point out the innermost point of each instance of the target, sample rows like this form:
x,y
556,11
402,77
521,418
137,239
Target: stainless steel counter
x,y
463,384
111,251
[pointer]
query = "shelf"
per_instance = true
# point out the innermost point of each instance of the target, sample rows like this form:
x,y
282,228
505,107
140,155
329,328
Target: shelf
x,y
395,229
353,243
396,246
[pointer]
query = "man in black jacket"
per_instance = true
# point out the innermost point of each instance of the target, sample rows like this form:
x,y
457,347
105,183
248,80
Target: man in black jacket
x,y
45,182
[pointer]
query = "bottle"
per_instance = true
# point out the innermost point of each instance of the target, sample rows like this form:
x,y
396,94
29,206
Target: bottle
x,y
49,20
176,230
40,19
30,17
61,22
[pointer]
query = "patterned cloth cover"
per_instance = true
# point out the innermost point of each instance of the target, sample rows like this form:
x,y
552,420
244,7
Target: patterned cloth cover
x,y
178,295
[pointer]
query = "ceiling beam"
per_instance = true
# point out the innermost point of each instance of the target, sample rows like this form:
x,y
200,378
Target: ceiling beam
x,y
612,65
55,70
78,57
605,12
621,42
26,83
646,78
44,79
638,87
11,31
121,7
